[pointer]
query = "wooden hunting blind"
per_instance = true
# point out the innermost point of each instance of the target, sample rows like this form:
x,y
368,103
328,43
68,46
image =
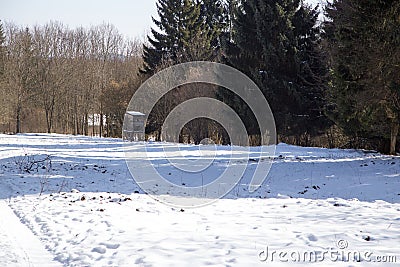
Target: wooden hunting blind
x,y
134,126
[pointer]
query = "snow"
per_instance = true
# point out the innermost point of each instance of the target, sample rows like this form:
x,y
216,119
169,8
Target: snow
x,y
17,251
135,113
81,207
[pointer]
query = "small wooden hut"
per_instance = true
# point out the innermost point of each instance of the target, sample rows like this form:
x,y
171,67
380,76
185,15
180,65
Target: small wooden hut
x,y
134,126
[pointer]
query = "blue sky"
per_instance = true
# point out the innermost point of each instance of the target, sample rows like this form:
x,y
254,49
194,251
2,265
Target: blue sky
x,y
131,17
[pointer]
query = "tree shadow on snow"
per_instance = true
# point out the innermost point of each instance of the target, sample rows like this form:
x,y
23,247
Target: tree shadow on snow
x,y
99,166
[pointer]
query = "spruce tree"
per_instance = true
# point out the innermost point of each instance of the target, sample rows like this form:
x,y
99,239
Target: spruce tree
x,y
243,52
277,44
187,31
364,45
213,14
182,35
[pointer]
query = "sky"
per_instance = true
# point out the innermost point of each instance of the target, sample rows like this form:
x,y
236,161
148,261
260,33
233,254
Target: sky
x,y
132,18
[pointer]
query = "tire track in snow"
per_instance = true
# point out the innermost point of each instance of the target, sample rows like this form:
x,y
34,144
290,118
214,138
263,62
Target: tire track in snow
x,y
18,245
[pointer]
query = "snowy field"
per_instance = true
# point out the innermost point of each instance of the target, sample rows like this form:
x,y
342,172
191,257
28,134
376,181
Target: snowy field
x,y
71,201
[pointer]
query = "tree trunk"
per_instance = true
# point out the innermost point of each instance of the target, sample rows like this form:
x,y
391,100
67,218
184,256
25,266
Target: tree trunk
x,y
76,126
159,136
18,128
101,123
393,137
48,123
85,125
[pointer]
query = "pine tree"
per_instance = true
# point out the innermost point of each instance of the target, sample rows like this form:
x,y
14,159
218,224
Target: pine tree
x,y
187,31
243,52
196,35
182,37
213,14
276,43
363,38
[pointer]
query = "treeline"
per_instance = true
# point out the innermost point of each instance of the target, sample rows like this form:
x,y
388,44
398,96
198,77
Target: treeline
x,y
332,79
331,82
56,79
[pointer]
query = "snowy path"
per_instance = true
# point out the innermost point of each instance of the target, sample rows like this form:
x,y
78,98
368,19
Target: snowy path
x,y
19,247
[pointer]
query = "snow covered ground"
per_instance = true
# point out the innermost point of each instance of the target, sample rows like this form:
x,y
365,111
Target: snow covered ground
x,y
71,201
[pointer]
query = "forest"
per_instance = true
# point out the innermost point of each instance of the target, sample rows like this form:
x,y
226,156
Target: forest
x,y
330,73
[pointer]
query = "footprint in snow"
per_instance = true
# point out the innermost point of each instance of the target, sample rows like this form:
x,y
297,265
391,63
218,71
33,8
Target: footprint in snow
x,y
140,260
100,250
312,238
110,246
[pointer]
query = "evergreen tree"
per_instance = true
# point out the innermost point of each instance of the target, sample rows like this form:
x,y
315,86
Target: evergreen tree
x,y
182,35
213,14
188,30
363,38
242,52
277,44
